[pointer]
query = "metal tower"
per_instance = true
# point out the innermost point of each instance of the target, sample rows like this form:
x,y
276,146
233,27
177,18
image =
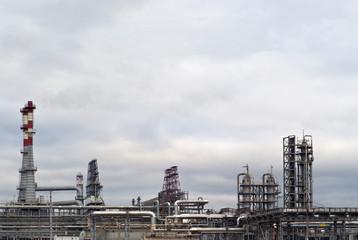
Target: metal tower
x,y
257,196
297,171
93,187
27,187
79,184
171,187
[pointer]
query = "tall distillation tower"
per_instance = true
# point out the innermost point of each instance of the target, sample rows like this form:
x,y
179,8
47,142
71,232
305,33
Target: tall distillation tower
x,y
297,171
93,187
27,192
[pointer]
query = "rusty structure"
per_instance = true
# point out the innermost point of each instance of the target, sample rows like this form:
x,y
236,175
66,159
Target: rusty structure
x,y
171,190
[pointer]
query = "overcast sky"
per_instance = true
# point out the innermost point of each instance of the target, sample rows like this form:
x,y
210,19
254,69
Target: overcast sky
x,y
209,86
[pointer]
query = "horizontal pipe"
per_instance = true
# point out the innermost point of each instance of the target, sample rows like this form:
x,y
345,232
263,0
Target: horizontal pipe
x,y
188,216
124,213
66,203
4,207
208,216
218,230
188,202
59,188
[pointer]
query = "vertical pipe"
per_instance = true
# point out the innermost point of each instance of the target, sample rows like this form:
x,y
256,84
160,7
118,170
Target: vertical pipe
x,y
51,227
335,233
344,230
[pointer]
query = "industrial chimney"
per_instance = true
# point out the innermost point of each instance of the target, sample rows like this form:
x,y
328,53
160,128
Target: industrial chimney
x,y
27,193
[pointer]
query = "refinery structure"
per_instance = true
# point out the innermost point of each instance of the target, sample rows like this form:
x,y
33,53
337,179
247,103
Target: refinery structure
x,y
172,214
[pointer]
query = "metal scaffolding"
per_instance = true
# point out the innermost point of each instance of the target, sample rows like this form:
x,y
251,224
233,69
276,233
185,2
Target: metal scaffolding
x,y
93,187
297,171
171,191
257,196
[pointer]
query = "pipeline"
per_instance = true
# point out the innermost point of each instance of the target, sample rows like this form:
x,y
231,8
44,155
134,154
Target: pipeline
x,y
124,213
67,203
218,230
156,203
64,188
207,216
67,207
238,221
59,188
188,202
168,203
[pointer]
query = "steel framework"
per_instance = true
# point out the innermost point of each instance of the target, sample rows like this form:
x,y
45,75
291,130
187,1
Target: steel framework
x,y
171,191
93,187
297,171
257,196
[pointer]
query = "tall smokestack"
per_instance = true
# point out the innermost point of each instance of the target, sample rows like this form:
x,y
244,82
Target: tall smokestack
x,y
27,193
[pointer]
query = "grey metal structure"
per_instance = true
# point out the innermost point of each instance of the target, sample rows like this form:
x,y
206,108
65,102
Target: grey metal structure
x,y
297,171
93,187
316,223
79,185
257,196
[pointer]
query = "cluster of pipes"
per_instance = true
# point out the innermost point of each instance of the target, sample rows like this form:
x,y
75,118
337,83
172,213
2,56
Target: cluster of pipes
x,y
177,218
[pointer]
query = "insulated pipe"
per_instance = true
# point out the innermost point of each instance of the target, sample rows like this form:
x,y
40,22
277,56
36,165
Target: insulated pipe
x,y
123,213
59,188
66,207
183,216
196,216
264,177
188,202
63,188
207,216
156,202
219,230
238,221
66,203
168,203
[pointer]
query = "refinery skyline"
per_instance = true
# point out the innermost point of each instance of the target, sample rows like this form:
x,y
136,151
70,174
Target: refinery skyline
x,y
206,86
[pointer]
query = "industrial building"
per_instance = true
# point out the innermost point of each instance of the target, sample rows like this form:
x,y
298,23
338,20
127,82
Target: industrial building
x,y
172,214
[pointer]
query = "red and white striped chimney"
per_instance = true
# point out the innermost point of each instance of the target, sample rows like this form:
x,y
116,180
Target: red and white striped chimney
x,y
27,191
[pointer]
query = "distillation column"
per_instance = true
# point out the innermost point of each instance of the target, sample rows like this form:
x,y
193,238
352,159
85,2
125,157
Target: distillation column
x,y
297,169
304,172
244,190
27,187
271,191
257,196
289,171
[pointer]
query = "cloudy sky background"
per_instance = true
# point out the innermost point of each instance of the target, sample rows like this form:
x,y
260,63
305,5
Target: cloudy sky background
x,y
206,85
